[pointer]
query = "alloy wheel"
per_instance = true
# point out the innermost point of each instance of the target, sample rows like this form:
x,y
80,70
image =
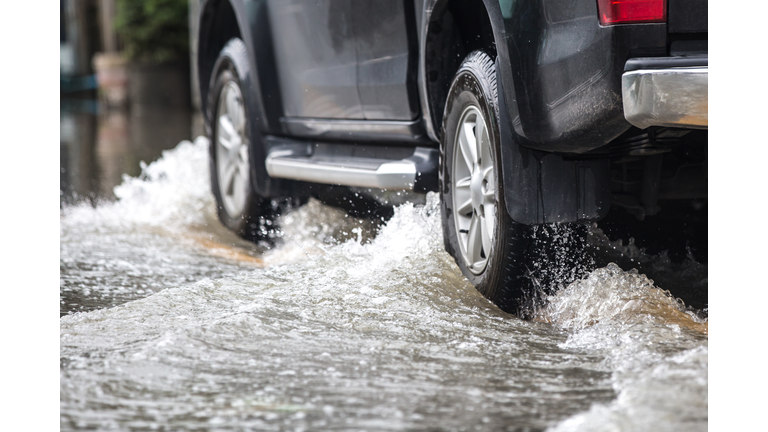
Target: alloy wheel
x,y
474,190
232,150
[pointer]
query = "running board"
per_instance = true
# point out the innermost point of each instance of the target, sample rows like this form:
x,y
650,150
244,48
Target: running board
x,y
398,168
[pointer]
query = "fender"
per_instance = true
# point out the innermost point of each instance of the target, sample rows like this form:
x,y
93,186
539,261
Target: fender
x,y
259,78
542,100
252,21
561,71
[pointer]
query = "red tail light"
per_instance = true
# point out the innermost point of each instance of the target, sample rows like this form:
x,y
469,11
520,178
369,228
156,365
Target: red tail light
x,y
631,11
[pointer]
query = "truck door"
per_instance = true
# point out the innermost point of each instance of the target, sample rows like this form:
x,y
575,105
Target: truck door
x,y
316,58
387,56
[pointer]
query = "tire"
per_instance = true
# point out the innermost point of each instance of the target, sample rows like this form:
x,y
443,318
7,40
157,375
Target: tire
x,y
239,207
490,248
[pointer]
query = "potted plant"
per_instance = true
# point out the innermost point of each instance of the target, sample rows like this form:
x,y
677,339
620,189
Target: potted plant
x,y
155,37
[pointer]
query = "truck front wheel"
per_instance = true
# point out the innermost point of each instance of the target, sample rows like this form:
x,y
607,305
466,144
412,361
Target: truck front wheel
x,y
239,207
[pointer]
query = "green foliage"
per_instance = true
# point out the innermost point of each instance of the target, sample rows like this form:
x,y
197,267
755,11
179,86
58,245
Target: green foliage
x,y
154,31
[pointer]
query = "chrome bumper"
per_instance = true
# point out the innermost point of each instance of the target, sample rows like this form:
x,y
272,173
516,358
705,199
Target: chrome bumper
x,y
672,97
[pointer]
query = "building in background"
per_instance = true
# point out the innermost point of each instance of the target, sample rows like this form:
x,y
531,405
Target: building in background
x,y
135,55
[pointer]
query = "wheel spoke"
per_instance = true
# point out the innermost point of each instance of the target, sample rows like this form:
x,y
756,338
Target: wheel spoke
x,y
479,141
238,189
462,196
463,183
489,195
232,159
488,174
243,154
474,241
233,109
467,145
243,162
465,208
469,130
229,178
224,145
226,128
490,217
487,231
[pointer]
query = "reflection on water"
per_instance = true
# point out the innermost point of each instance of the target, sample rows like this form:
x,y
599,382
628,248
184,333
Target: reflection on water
x,y
99,147
344,327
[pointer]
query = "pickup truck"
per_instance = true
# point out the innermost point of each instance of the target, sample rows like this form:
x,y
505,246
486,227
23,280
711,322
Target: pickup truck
x,y
519,113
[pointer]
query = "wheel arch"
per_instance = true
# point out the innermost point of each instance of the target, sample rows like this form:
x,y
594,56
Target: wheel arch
x,y
219,22
539,187
452,29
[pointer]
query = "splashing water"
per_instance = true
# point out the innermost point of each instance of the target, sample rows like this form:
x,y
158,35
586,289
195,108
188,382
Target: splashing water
x,y
172,193
148,240
343,327
657,352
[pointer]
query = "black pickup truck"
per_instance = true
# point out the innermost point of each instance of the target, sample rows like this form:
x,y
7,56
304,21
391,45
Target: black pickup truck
x,y
518,112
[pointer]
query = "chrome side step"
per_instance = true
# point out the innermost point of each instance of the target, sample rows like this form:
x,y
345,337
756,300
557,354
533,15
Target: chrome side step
x,y
347,165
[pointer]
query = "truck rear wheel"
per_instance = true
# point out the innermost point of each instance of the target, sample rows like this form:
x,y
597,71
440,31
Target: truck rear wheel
x,y
489,247
512,264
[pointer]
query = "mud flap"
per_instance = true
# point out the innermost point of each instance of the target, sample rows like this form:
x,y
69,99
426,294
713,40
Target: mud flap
x,y
541,187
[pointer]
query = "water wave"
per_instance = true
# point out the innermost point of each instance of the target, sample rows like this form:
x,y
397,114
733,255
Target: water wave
x,y
343,325
655,348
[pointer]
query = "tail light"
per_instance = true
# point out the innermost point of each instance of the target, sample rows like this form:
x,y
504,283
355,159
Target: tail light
x,y
614,12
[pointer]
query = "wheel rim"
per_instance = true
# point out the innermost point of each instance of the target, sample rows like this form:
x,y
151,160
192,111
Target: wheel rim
x,y
474,190
232,150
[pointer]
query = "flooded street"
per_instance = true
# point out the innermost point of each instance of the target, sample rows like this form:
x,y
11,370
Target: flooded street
x,y
170,322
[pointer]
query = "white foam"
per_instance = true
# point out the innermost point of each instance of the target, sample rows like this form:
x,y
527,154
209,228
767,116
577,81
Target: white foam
x,y
651,346
172,192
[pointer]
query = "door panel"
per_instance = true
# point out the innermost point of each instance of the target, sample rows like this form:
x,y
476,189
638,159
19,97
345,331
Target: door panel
x,y
383,59
316,58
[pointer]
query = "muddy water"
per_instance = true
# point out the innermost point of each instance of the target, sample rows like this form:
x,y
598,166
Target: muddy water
x,y
169,322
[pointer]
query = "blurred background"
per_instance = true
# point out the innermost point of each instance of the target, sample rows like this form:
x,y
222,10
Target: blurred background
x,y
126,89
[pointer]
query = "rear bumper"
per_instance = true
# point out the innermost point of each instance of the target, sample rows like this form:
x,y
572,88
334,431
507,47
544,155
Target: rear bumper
x,y
671,92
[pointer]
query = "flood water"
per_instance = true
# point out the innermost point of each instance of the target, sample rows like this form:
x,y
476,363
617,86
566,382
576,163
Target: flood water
x,y
170,322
